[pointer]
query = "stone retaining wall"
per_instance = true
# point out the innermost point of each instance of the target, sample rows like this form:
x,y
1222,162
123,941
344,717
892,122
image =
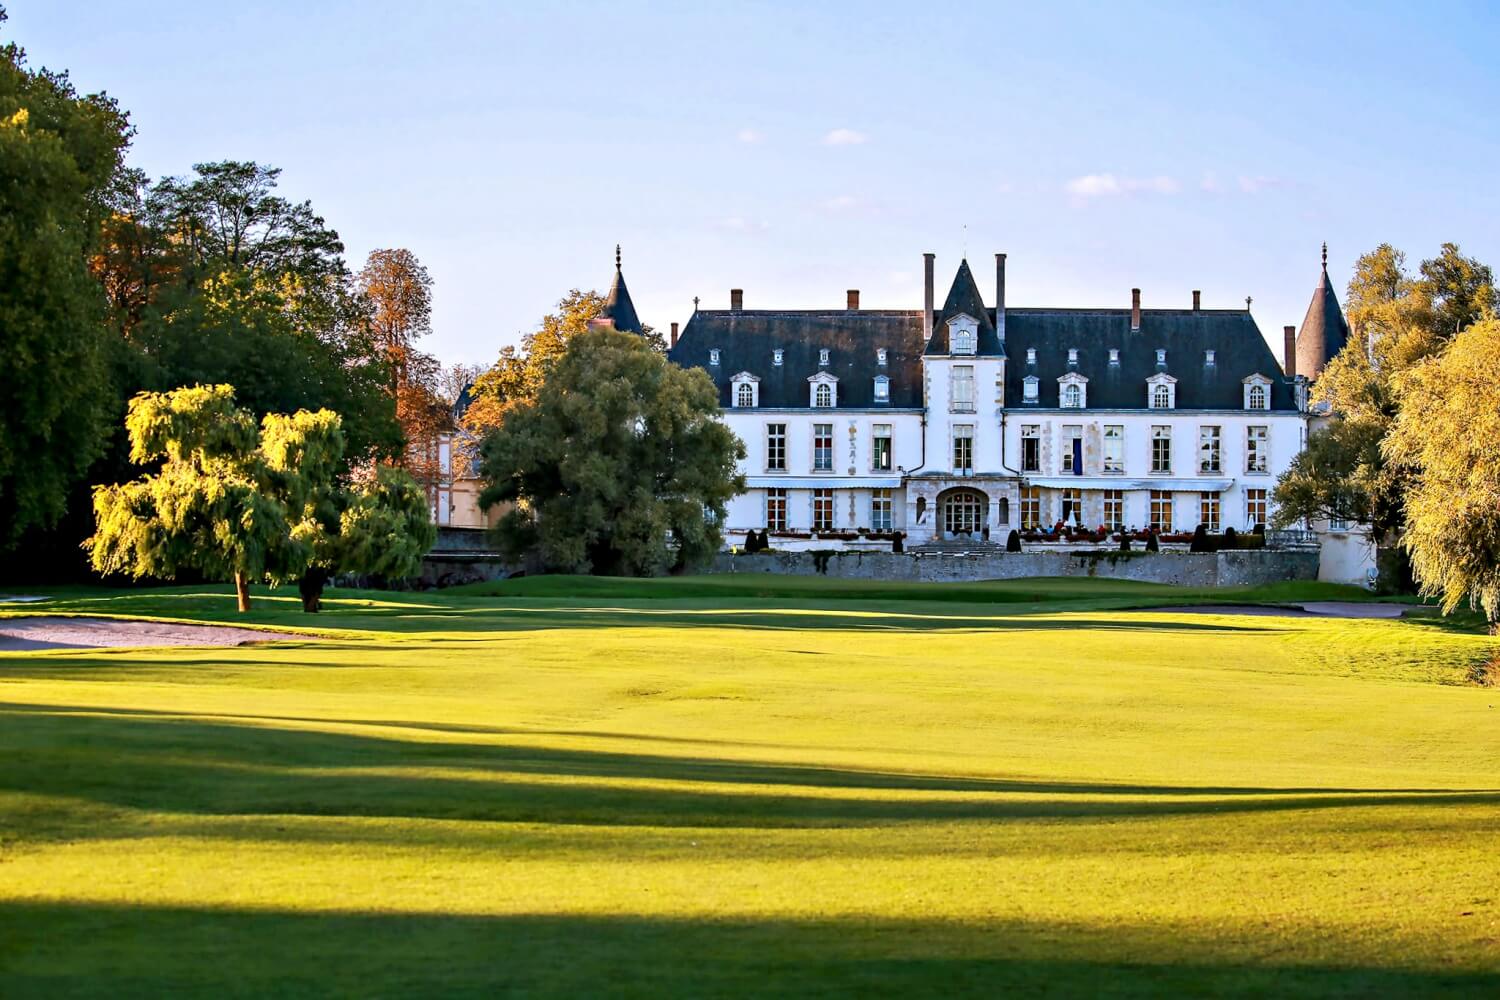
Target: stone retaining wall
x,y
1184,569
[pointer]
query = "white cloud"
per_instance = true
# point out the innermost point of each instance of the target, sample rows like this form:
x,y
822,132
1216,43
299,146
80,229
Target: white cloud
x,y
1210,183
1105,185
750,135
845,137
841,203
740,224
1255,185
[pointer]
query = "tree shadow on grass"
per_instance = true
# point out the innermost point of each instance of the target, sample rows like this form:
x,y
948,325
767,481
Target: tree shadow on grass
x,y
217,767
81,949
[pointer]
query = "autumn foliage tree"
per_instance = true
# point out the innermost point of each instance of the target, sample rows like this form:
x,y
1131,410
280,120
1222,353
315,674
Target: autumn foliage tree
x,y
249,500
619,465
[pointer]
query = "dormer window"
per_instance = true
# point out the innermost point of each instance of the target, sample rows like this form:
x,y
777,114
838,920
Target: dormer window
x,y
880,357
1161,355
1114,355
882,389
1072,355
777,355
823,356
963,331
713,356
1208,357
1161,392
1030,388
1072,391
824,389
745,390
1031,355
1257,392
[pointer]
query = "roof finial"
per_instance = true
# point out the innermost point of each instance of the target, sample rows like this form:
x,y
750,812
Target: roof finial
x,y
695,303
1247,303
617,256
1325,255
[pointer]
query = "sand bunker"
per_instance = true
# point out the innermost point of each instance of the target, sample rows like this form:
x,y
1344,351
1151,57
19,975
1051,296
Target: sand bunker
x,y
105,633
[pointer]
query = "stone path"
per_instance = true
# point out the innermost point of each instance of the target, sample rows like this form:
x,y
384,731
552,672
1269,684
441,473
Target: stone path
x,y
40,632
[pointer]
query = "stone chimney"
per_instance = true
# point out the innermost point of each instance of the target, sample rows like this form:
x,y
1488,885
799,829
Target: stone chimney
x,y
736,299
853,303
927,260
1135,310
1000,296
1290,346
673,341
1197,300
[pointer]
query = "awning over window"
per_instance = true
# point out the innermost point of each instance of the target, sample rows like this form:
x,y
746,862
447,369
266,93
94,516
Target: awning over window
x,y
1121,483
824,482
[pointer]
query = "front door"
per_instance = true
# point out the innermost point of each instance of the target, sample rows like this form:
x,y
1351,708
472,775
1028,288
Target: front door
x,y
963,514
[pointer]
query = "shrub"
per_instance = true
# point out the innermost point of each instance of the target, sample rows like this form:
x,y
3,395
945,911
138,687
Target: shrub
x,y
1013,541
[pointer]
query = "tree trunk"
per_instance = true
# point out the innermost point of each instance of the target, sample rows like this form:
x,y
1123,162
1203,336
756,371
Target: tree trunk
x,y
242,590
311,589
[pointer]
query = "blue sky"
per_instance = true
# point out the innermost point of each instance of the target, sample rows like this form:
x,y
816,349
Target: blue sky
x,y
799,152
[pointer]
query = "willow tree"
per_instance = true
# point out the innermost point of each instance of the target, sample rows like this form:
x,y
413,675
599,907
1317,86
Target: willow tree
x,y
1448,434
245,501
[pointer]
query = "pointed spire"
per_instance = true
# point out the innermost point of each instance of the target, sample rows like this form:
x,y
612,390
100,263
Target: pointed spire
x,y
618,310
964,299
1324,331
617,254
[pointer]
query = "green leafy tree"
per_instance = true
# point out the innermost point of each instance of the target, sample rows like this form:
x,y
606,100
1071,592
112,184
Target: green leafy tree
x,y
1398,320
619,465
1448,433
244,500
60,153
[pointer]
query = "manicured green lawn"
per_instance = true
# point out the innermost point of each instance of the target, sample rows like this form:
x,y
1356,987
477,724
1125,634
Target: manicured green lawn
x,y
734,786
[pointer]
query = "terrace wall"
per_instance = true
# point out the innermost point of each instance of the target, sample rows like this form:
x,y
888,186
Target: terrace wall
x,y
1184,569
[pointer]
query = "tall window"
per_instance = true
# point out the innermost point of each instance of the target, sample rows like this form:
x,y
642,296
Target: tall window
x,y
1208,510
1072,506
776,509
882,389
1161,448
1256,457
963,340
1072,449
1208,448
963,513
1257,398
880,448
961,397
823,395
880,510
744,394
822,447
963,448
1030,388
1114,448
1031,448
1161,510
1031,507
1161,397
775,447
1255,507
822,510
1072,397
1114,509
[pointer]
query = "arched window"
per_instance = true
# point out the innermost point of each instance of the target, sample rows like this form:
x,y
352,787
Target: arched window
x,y
744,395
1161,398
1072,397
1257,397
963,340
824,395
963,513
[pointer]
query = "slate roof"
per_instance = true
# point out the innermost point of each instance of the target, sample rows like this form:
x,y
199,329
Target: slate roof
x,y
1324,332
964,299
1239,351
747,339
619,308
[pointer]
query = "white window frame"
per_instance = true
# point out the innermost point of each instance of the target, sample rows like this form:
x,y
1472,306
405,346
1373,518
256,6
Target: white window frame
x,y
1161,379
822,355
1114,504
880,356
1161,432
1031,432
813,457
1113,459
1031,389
890,447
882,389
961,432
778,356
1160,507
882,508
1065,386
817,382
713,356
1210,511
1210,450
818,496
774,436
1066,437
1253,382
777,495
1257,449
961,375
963,335
1252,500
741,380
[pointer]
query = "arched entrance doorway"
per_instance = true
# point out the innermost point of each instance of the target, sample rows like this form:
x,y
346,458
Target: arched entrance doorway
x,y
963,513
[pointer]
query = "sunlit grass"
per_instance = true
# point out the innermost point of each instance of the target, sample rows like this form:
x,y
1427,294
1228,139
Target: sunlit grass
x,y
612,788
